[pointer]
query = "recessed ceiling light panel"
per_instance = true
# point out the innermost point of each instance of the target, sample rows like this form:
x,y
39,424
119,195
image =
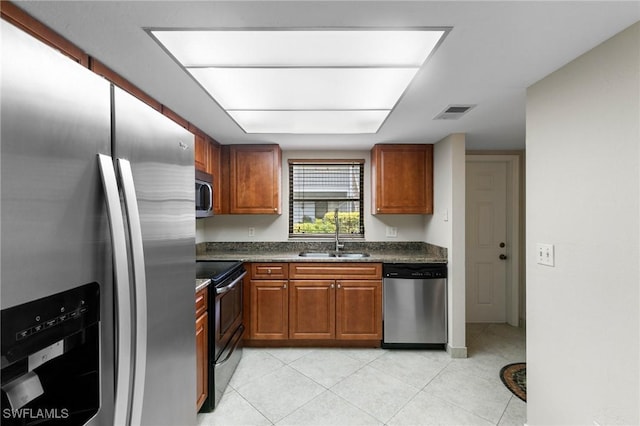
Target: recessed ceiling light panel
x,y
308,48
310,122
305,88
326,81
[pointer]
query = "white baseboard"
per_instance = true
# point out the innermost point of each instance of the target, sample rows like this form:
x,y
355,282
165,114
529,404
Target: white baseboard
x,y
459,352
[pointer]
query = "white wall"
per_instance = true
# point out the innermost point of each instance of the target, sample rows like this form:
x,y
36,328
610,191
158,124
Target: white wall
x,y
583,192
275,227
446,228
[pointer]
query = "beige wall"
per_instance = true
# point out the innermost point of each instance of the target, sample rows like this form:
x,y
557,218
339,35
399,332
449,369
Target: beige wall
x,y
275,227
583,192
446,228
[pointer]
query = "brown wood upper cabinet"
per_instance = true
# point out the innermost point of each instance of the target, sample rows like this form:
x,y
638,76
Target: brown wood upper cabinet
x,y
254,179
215,165
402,178
202,153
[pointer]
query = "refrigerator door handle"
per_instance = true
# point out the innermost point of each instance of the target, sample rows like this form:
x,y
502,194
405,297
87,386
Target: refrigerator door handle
x,y
123,324
137,255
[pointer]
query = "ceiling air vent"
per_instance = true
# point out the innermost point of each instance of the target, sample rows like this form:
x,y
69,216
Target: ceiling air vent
x,y
453,112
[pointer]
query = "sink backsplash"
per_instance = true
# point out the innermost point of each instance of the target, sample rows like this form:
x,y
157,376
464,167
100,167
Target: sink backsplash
x,y
298,246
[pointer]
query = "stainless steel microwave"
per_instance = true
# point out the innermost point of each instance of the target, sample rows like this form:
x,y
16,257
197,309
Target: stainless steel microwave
x,y
204,194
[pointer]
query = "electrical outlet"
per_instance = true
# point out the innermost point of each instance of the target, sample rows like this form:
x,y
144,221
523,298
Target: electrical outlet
x,y
392,231
252,231
545,254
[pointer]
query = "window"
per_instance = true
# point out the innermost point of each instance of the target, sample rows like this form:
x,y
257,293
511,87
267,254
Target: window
x,y
317,188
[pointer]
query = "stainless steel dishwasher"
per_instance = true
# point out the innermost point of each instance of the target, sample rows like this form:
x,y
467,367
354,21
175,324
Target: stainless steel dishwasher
x,y
415,305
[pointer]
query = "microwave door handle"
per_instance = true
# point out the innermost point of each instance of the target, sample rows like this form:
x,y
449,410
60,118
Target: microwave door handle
x,y
123,324
210,198
229,287
140,286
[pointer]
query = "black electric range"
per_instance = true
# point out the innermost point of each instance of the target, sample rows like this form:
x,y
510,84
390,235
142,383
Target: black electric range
x,y
217,270
225,324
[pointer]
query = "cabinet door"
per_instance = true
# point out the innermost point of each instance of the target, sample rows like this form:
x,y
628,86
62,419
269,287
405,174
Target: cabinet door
x,y
402,179
269,309
359,309
254,172
312,309
216,170
202,359
201,154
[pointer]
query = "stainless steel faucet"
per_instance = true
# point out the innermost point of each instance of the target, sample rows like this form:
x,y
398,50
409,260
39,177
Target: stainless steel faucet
x,y
338,244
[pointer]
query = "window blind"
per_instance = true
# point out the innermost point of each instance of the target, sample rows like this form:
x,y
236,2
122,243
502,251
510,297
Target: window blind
x,y
317,189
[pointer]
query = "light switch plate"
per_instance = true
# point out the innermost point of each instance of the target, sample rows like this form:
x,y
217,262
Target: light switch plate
x,y
545,254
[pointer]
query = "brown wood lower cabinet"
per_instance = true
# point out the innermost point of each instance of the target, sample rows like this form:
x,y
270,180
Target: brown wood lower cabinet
x,y
312,309
269,310
358,309
202,348
320,302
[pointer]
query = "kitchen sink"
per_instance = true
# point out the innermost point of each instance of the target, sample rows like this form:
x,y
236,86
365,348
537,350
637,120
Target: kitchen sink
x,y
326,254
316,254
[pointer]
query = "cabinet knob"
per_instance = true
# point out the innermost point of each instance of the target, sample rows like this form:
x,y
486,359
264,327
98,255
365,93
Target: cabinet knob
x,y
338,285
332,286
275,209
269,271
284,286
378,208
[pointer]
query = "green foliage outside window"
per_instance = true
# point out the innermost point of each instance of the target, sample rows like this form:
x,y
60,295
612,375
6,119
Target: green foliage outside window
x,y
349,224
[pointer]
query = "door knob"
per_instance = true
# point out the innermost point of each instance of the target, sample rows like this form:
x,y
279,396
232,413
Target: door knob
x,y
503,256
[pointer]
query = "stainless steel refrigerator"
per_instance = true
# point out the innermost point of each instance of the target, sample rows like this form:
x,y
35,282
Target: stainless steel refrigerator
x,y
96,187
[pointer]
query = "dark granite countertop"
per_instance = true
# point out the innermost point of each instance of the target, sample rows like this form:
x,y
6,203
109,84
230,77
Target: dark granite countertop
x,y
407,252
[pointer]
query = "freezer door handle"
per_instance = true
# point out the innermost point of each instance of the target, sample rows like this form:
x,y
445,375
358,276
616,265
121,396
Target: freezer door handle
x,y
122,296
140,286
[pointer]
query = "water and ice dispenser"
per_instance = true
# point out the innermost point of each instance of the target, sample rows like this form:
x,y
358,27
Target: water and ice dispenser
x,y
50,359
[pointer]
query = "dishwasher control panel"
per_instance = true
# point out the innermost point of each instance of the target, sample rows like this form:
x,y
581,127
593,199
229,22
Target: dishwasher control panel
x,y
425,274
414,270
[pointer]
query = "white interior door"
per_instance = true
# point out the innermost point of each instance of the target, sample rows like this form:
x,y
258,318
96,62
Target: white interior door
x,y
486,241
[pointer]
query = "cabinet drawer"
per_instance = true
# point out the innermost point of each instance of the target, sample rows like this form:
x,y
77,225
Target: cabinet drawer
x,y
269,271
201,301
335,270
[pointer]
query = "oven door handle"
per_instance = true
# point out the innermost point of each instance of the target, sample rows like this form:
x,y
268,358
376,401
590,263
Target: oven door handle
x,y
229,287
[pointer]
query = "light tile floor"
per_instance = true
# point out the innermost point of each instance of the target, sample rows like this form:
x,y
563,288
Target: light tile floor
x,y
334,387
